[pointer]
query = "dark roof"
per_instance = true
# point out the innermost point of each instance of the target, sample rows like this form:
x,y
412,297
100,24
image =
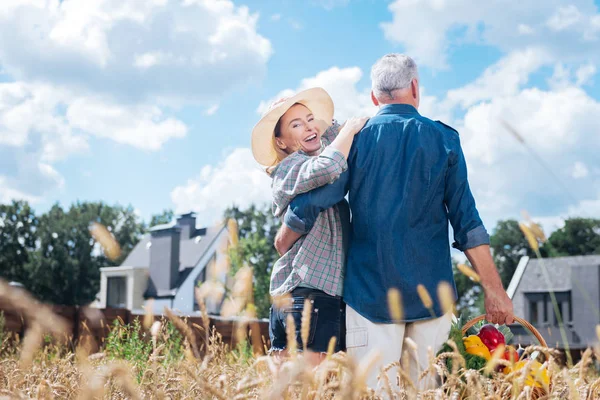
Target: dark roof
x,y
190,251
555,267
151,291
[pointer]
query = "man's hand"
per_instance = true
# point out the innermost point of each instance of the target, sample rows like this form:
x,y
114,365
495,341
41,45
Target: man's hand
x,y
285,239
498,306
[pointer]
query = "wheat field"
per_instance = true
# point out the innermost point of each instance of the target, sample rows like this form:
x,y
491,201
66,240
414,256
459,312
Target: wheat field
x,y
159,360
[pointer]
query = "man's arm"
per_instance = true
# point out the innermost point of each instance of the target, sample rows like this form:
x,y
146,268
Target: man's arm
x,y
498,306
471,237
304,210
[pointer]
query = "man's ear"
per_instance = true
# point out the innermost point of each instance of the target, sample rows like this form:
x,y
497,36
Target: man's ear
x,y
414,85
374,99
280,144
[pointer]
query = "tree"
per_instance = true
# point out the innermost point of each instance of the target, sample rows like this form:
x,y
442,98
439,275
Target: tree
x,y
65,268
165,217
579,237
18,226
470,294
257,230
508,245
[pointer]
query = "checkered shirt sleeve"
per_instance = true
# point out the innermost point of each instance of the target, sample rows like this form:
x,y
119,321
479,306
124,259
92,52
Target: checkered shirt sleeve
x,y
300,173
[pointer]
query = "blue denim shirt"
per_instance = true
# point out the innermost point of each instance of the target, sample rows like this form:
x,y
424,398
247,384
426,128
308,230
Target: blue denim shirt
x,y
407,178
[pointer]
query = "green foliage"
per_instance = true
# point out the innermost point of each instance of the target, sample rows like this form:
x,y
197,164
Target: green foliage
x,y
242,353
579,237
65,266
470,294
257,230
165,217
508,246
504,330
456,335
174,344
18,225
129,342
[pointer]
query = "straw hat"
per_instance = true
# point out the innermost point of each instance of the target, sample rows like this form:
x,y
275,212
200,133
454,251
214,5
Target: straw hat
x,y
317,100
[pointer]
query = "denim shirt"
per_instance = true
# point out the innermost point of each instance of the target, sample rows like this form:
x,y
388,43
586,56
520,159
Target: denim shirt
x,y
407,179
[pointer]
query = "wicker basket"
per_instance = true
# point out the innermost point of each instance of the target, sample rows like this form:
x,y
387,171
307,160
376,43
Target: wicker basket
x,y
537,392
521,321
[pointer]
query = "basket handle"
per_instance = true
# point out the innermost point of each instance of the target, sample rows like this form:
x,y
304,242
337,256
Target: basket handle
x,y
521,321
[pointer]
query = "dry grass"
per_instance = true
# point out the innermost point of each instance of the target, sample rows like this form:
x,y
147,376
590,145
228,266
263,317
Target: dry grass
x,y
30,370
220,376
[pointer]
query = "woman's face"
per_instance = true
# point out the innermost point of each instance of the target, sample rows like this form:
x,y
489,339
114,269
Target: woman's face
x,y
299,130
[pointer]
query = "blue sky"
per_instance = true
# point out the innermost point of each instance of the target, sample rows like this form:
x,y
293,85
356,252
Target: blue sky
x,y
153,106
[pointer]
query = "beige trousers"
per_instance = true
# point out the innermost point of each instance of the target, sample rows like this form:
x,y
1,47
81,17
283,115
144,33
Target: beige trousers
x,y
388,340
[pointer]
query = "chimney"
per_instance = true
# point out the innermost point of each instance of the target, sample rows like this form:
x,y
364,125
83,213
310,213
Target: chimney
x,y
187,222
164,257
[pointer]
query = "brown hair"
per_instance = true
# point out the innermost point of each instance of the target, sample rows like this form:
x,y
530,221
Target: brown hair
x,y
281,154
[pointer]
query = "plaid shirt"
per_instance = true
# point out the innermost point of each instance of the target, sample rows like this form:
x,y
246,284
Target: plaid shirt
x,y
316,259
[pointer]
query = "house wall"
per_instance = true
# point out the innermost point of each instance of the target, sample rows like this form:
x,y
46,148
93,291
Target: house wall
x,y
585,298
137,278
583,281
158,305
139,284
184,299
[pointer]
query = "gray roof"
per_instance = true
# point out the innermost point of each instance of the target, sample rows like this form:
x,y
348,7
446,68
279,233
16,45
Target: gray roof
x,y
556,268
190,251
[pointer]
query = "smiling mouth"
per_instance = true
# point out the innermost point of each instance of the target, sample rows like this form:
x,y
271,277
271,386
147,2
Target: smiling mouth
x,y
311,138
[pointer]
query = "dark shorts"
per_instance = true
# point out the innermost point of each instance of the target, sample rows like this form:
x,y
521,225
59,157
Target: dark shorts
x,y
327,320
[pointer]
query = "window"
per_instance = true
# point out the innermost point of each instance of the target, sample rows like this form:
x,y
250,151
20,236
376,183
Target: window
x,y
541,310
534,317
564,307
116,292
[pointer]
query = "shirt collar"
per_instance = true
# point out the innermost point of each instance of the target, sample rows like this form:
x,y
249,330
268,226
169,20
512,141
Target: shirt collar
x,y
404,109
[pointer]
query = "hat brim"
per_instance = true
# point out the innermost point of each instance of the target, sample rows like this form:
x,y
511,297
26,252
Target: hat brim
x,y
317,100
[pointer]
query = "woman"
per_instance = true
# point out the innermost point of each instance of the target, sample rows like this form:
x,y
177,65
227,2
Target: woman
x,y
301,152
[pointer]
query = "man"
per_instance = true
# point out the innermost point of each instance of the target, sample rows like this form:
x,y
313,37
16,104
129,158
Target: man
x,y
407,178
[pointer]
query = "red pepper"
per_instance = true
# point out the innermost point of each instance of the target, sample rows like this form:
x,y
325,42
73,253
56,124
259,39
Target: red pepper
x,y
491,337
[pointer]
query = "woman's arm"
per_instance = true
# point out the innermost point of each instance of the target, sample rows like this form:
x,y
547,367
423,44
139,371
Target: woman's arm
x,y
299,173
303,211
331,132
343,141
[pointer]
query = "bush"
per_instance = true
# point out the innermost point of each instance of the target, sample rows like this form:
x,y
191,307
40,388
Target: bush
x,y
129,342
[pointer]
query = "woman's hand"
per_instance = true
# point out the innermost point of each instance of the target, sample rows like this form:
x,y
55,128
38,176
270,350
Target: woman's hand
x,y
354,125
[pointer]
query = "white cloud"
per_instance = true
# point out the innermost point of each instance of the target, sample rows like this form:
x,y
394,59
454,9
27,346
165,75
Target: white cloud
x,y
237,180
275,17
212,110
140,126
504,78
188,51
579,170
585,73
42,124
564,17
116,69
560,126
341,84
525,29
426,28
295,24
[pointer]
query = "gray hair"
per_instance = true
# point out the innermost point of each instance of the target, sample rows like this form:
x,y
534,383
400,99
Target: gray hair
x,y
392,72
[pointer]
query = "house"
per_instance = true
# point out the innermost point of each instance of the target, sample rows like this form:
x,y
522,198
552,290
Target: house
x,y
575,282
165,266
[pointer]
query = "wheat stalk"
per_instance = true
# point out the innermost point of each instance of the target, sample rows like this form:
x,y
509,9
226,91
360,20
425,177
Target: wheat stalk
x,y
185,330
305,323
395,304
